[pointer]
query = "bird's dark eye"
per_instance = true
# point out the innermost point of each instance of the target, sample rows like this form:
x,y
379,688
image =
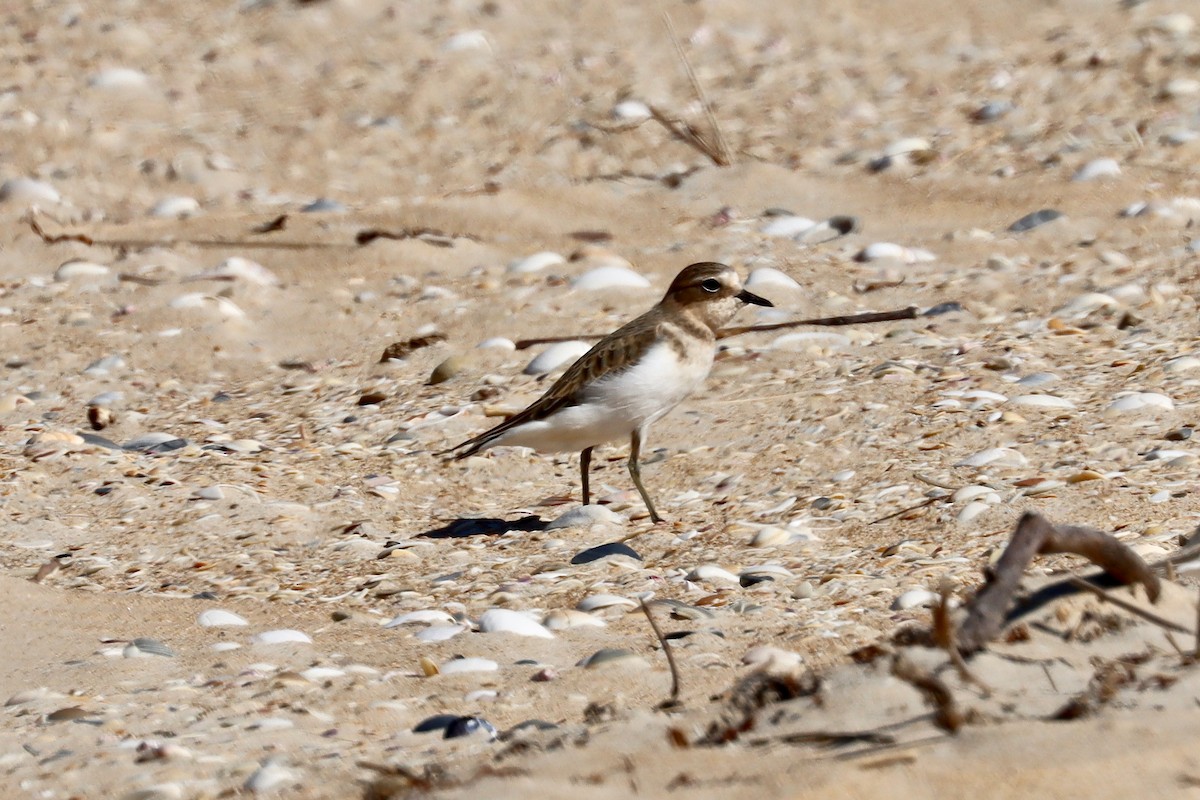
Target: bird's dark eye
x,y
711,285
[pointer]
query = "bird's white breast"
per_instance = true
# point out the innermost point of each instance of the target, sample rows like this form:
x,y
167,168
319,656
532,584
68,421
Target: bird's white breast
x,y
615,405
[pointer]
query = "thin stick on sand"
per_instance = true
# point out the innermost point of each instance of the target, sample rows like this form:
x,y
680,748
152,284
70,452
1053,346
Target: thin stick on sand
x,y
850,319
674,699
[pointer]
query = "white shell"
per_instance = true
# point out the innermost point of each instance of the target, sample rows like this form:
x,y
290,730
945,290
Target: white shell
x,y
610,278
1096,169
914,598
175,208
424,616
711,572
535,263
497,343
581,516
555,356
972,510
220,618
561,619
69,270
281,636
458,666
28,190
1141,401
597,601
631,111
238,268
503,620
788,226
1042,401
119,78
997,456
770,278
439,633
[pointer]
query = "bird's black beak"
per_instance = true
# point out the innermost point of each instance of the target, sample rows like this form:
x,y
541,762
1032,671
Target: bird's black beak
x,y
750,297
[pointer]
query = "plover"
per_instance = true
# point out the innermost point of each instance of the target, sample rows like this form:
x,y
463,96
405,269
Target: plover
x,y
631,378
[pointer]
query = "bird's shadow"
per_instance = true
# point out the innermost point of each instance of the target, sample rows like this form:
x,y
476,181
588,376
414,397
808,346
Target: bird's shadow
x,y
485,526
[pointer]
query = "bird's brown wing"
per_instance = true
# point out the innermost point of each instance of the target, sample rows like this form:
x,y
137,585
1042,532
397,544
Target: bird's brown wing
x,y
612,354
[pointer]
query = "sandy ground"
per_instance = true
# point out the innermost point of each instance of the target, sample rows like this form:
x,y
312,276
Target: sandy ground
x,y
810,488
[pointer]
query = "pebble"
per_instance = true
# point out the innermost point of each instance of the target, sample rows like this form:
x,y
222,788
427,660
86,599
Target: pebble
x,y
219,618
535,263
556,355
503,620
610,278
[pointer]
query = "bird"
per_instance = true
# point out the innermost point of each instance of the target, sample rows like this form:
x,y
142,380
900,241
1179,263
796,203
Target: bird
x,y
630,378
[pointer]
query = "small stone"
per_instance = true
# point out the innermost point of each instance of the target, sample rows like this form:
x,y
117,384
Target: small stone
x,y
1098,169
447,369
270,776
584,516
612,657
914,598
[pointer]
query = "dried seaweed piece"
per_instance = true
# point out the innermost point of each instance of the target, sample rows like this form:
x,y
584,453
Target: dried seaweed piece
x,y
946,714
403,349
1035,535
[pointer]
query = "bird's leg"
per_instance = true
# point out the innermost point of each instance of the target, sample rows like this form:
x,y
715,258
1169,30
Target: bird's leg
x,y
585,460
635,472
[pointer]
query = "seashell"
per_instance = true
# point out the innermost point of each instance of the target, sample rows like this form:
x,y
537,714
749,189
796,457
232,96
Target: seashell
x,y
787,225
467,41
239,269
281,636
773,660
29,192
766,278
631,111
1097,169
1043,401
612,657
971,510
497,343
425,616
581,516
175,208
119,78
1034,219
439,633
219,618
460,666
503,620
596,602
1141,401
610,278
994,456
914,598
562,619
75,269
535,263
555,356
711,572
